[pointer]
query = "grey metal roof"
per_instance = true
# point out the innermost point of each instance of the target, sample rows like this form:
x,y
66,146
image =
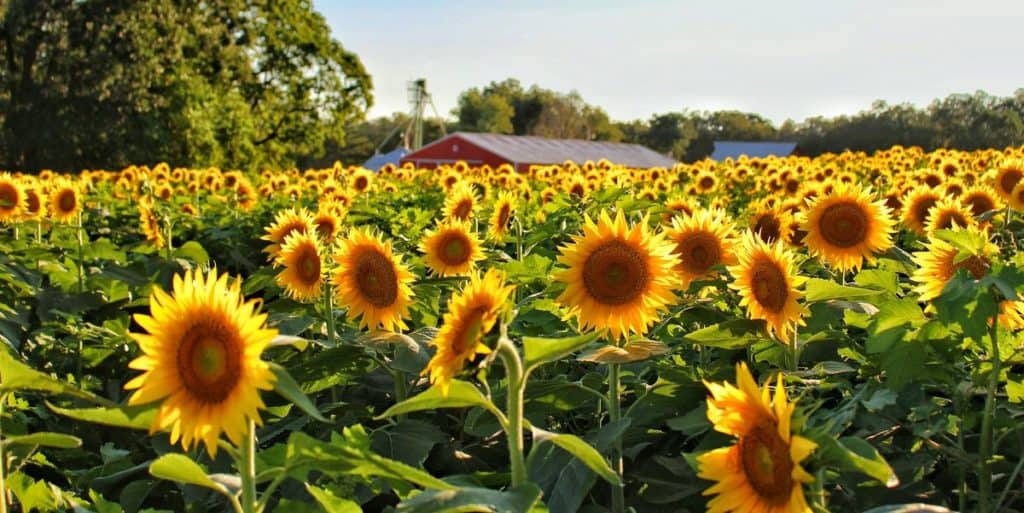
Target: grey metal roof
x,y
541,150
734,149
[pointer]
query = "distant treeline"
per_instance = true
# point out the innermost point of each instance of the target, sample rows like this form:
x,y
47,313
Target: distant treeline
x,y
964,121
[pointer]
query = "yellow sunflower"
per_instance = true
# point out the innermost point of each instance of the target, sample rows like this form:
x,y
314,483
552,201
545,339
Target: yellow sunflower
x,y
301,258
702,241
619,277
771,223
981,199
451,249
705,182
285,223
504,208
948,212
460,202
761,471
328,223
12,199
201,358
846,227
471,314
937,264
64,201
371,281
150,225
1008,176
917,207
767,281
35,202
361,180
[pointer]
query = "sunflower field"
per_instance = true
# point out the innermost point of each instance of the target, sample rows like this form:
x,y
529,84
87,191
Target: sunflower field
x,y
839,333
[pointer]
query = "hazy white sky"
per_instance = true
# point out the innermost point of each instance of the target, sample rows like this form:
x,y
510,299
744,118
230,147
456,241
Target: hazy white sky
x,y
783,59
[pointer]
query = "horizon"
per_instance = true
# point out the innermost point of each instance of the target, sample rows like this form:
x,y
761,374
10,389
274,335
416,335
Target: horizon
x,y
823,61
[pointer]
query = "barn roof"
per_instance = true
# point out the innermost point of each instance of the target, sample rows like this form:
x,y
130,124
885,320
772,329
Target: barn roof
x,y
379,160
541,150
734,149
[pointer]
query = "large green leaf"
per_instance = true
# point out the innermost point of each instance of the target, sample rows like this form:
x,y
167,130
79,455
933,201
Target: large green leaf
x,y
193,251
461,394
732,334
181,469
817,289
45,439
332,503
16,376
286,386
538,351
132,417
581,450
473,500
909,508
855,455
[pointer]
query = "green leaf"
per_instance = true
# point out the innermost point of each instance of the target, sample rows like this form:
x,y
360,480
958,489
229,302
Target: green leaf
x,y
581,450
855,455
817,289
732,334
286,387
45,439
181,469
909,508
538,351
16,376
882,279
332,503
461,394
132,417
1015,390
473,500
193,251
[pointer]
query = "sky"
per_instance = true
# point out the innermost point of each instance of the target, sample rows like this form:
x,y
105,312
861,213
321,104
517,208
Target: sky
x,y
783,59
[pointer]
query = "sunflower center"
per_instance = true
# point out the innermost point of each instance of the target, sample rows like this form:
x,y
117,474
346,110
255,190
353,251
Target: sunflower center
x,y
769,286
980,204
307,265
615,273
454,249
33,201
470,331
462,209
947,218
698,252
503,216
8,196
707,182
360,183
376,279
922,207
209,362
767,227
1010,179
576,190
767,464
67,201
325,227
933,181
976,265
843,225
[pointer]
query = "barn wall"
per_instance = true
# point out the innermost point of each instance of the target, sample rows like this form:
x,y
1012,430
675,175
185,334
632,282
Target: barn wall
x,y
450,150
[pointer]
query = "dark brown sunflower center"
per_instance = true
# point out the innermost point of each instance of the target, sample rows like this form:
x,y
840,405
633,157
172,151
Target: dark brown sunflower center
x,y
469,331
767,464
1009,179
707,182
922,208
946,219
376,279
698,252
8,197
980,204
307,265
615,273
769,286
503,215
209,361
33,202
455,248
768,227
462,209
577,190
976,265
67,201
933,180
325,226
296,227
843,225
360,183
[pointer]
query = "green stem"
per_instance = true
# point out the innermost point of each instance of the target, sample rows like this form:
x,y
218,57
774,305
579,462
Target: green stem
x,y
3,459
795,352
81,257
985,449
614,414
170,244
514,370
247,470
329,318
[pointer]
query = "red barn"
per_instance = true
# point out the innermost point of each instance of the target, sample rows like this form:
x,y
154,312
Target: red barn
x,y
523,151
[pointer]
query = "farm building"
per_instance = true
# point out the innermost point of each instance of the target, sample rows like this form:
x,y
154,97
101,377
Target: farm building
x,y
736,149
524,151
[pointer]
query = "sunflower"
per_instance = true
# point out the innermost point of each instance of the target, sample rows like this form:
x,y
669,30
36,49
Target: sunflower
x,y
1007,177
201,359
771,223
948,212
150,225
12,199
328,223
761,471
361,180
917,207
846,227
702,240
619,277
35,203
981,199
64,201
372,282
680,206
451,249
767,282
938,263
460,202
504,208
285,223
301,256
471,314
705,183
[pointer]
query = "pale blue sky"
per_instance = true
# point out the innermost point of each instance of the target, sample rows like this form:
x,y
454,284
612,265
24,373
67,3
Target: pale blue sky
x,y
783,59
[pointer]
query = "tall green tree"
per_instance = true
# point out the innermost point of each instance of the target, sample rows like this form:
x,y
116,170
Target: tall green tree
x,y
232,83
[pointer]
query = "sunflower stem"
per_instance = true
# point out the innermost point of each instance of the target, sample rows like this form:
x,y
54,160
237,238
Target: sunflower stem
x,y
614,414
795,352
81,257
247,469
170,243
3,459
985,449
329,318
514,373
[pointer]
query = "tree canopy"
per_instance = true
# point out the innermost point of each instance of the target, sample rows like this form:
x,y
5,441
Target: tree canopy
x,y
232,83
